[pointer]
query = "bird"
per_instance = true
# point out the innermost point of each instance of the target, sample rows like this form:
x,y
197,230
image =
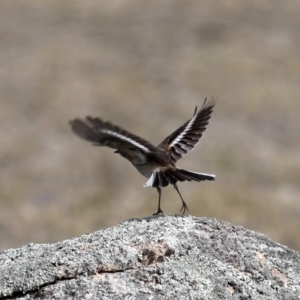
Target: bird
x,y
157,163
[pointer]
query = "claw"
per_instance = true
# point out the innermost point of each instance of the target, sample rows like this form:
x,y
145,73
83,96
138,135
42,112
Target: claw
x,y
184,207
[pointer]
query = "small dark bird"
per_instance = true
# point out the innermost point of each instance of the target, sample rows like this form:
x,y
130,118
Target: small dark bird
x,y
158,163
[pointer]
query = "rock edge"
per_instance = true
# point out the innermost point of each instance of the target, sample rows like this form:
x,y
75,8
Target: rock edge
x,y
160,257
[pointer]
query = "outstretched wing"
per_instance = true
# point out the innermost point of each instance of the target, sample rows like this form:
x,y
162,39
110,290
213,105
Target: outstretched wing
x,y
102,133
186,137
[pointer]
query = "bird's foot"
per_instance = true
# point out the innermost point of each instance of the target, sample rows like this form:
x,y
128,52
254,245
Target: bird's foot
x,y
159,211
184,208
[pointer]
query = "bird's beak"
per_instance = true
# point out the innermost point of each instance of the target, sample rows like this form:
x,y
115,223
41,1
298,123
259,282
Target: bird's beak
x,y
117,151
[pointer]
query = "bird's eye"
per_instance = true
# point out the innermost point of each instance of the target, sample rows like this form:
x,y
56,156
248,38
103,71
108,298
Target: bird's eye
x,y
132,148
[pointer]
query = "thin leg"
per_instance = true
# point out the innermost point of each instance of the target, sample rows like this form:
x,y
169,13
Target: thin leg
x,y
184,206
159,211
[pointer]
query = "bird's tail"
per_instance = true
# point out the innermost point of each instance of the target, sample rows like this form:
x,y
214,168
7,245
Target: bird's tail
x,y
171,176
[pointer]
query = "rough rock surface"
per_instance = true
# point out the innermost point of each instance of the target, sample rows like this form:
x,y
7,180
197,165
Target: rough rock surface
x,y
161,257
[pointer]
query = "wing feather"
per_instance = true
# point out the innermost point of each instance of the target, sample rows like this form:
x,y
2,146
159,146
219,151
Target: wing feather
x,y
102,133
187,136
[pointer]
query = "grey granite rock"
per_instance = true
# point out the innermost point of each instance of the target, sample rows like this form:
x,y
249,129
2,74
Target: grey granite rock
x,y
161,257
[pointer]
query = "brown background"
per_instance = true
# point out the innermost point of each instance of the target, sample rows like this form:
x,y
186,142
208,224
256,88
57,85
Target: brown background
x,y
145,65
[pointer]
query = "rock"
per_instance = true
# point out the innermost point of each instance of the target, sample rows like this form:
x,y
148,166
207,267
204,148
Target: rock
x,y
160,257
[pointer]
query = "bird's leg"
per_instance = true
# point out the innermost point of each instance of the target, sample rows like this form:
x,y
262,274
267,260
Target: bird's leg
x,y
159,211
184,206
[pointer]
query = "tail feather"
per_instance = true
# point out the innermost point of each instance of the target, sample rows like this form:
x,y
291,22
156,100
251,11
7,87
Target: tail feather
x,y
171,176
162,179
176,175
197,176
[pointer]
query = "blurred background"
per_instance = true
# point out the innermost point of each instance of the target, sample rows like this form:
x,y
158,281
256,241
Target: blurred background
x,y
145,65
